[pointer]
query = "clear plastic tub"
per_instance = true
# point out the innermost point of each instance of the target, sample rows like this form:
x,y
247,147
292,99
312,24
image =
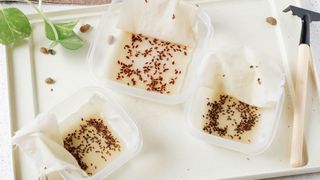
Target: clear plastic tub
x,y
100,50
264,132
121,124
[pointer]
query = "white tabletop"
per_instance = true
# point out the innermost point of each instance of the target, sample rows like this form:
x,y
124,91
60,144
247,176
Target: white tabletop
x,y
5,144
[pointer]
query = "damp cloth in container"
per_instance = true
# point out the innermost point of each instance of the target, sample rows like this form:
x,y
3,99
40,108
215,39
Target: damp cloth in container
x,y
87,136
238,102
150,49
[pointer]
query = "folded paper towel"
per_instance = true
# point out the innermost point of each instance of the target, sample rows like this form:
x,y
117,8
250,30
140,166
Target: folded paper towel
x,y
242,73
42,142
167,20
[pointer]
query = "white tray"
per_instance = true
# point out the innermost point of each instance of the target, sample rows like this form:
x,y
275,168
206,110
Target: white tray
x,y
169,152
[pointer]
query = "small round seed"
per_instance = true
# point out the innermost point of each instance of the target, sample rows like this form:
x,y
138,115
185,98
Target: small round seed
x,y
49,80
51,51
271,20
85,28
43,50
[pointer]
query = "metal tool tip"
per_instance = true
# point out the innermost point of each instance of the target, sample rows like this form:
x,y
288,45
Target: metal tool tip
x,y
287,9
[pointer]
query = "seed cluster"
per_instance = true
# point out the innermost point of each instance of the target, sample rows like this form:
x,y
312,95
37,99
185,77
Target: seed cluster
x,y
44,50
157,60
92,137
242,117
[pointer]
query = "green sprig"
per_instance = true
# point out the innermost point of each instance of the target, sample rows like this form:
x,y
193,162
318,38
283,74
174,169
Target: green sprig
x,y
15,26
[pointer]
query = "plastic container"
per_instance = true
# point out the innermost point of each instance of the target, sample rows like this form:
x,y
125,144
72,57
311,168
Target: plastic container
x,y
263,135
125,128
100,49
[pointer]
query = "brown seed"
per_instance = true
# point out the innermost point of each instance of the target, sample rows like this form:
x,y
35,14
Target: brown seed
x,y
49,80
173,16
52,52
248,117
271,20
85,28
259,81
43,50
110,39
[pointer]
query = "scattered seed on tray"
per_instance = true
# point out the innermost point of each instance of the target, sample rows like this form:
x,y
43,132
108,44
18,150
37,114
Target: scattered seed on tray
x,y
49,80
85,28
271,20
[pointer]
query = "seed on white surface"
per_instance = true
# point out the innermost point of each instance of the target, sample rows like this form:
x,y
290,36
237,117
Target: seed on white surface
x,y
44,50
49,80
51,51
110,39
85,28
271,20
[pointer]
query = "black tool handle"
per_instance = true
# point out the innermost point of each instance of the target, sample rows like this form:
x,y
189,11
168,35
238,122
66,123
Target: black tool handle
x,y
305,30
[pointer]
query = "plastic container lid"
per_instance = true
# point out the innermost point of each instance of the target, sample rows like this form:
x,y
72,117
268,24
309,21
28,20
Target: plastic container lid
x,y
262,137
100,50
124,127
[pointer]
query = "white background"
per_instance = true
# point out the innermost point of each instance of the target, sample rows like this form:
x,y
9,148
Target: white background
x,y
5,145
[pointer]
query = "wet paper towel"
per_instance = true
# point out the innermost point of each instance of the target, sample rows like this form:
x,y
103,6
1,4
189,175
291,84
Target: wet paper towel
x,y
168,20
242,73
42,142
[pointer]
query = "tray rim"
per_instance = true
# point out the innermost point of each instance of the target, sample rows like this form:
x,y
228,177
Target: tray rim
x,y
95,10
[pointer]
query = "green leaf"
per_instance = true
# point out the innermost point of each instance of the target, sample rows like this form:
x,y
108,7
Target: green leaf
x,y
14,25
72,43
64,30
66,36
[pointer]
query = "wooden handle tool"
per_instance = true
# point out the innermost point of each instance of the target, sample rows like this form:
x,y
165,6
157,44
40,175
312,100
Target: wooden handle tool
x,y
304,57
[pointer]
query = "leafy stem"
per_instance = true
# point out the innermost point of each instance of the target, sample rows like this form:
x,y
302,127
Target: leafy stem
x,y
14,26
44,17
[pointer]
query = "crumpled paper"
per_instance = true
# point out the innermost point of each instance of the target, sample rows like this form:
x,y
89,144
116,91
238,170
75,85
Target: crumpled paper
x,y
167,20
246,75
42,142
